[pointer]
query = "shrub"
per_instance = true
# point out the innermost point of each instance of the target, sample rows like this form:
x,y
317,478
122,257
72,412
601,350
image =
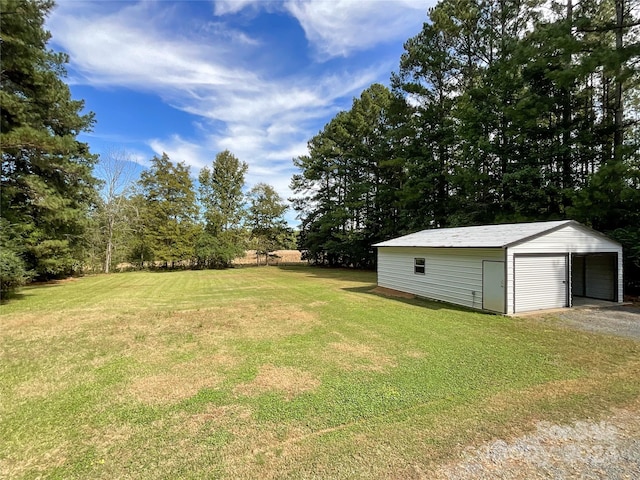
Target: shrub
x,y
12,272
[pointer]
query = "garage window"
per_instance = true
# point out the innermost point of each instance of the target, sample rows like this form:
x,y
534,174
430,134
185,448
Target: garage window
x,y
418,266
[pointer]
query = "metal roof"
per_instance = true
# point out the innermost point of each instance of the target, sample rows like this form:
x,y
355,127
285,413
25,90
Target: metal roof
x,y
482,236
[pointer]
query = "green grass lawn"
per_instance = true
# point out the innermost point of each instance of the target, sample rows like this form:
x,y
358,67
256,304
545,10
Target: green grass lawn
x,y
278,373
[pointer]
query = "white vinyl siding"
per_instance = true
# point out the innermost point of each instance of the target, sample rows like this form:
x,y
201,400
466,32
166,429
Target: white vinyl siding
x,y
541,282
452,274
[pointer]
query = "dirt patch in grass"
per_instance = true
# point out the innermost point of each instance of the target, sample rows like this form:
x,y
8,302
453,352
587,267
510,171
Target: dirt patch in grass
x,y
34,463
181,381
252,321
288,380
169,387
222,414
44,387
359,356
318,303
37,387
216,416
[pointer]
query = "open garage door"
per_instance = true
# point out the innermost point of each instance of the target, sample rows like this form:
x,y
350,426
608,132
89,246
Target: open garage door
x,y
540,282
594,275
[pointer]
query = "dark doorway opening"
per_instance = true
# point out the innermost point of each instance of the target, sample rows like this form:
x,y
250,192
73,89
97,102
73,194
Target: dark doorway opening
x,y
595,275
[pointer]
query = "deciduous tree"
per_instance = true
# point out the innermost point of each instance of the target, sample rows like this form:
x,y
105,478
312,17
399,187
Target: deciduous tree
x,y
169,211
222,199
266,221
116,171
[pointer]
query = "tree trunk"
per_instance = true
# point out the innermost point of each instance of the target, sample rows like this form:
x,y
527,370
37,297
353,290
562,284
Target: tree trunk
x,y
567,173
108,253
617,101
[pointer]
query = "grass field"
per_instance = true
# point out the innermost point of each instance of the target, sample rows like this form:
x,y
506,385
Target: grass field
x,y
278,373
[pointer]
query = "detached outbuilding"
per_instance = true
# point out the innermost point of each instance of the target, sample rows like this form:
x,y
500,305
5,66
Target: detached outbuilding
x,y
509,268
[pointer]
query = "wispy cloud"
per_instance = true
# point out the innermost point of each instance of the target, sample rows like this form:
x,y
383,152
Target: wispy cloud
x,y
129,48
223,7
339,27
192,154
203,66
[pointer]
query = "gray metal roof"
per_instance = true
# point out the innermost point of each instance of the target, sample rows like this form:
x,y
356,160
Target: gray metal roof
x,y
483,236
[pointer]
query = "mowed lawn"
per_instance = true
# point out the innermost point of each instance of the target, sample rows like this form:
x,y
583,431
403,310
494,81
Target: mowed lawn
x,y
278,373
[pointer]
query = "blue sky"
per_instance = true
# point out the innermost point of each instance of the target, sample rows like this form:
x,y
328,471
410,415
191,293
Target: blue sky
x,y
259,78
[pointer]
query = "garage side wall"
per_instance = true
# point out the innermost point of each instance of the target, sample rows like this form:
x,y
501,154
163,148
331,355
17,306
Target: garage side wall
x,y
567,240
451,275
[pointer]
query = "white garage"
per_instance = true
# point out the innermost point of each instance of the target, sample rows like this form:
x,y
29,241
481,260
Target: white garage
x,y
509,268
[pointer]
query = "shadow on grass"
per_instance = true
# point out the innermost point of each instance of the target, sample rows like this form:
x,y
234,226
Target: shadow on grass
x,y
352,275
7,298
416,301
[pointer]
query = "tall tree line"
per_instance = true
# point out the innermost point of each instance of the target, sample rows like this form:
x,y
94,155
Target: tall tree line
x,y
499,112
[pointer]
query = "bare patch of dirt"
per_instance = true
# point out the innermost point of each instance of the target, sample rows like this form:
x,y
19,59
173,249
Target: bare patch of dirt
x,y
288,380
359,356
224,416
254,321
43,386
35,462
318,303
223,413
182,381
168,387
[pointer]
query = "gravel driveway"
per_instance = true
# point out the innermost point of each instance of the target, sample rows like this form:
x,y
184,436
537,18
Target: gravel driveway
x,y
607,449
620,320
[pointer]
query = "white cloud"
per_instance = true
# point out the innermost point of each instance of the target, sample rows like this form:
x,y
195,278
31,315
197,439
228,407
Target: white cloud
x,y
338,27
181,150
264,119
224,7
221,30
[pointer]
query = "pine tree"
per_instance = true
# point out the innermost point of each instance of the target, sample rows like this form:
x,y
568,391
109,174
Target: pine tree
x,y
47,186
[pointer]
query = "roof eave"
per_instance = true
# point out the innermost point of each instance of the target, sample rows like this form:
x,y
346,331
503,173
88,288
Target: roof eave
x,y
540,234
377,245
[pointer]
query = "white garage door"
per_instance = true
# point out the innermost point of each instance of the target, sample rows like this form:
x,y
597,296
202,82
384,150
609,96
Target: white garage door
x,y
600,275
540,282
